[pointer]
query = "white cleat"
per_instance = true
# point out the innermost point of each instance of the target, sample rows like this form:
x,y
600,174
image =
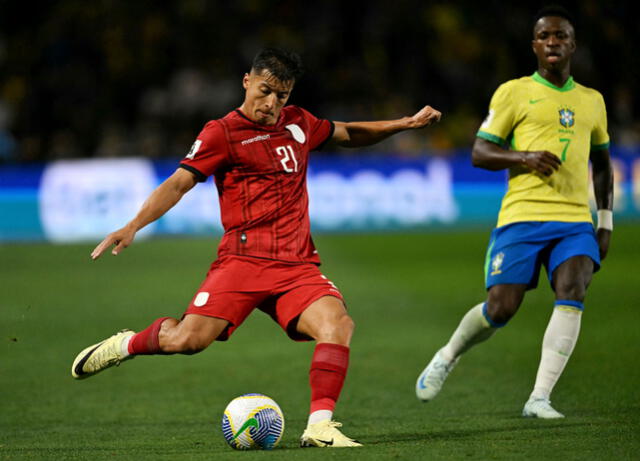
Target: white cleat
x,y
433,376
326,434
540,408
100,356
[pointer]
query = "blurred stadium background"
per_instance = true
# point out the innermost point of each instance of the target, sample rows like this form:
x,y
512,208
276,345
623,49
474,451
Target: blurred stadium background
x,y
115,78
138,80
100,100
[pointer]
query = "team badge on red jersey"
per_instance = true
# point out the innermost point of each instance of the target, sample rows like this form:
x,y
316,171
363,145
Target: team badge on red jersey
x,y
297,133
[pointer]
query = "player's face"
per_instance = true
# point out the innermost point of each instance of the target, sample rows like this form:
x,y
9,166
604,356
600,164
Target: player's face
x,y
265,97
553,42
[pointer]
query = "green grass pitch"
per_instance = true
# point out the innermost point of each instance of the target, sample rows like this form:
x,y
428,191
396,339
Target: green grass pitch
x,y
406,293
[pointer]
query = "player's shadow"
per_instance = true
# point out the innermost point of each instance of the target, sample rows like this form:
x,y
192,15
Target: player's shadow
x,y
461,434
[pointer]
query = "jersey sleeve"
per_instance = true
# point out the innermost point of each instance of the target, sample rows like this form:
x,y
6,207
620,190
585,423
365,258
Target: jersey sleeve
x,y
502,116
599,135
319,130
208,153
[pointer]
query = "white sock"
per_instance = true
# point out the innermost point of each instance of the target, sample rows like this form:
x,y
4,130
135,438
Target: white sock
x,y
319,415
557,345
124,346
473,329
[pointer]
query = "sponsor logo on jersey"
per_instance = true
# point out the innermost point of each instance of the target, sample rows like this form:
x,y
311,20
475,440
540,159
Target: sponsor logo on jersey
x,y
496,264
262,137
567,119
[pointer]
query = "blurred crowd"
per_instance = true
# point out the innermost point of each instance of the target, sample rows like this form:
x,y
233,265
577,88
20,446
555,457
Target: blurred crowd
x,y
140,78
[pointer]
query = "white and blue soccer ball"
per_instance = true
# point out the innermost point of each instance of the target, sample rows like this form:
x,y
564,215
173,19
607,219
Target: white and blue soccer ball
x,y
252,421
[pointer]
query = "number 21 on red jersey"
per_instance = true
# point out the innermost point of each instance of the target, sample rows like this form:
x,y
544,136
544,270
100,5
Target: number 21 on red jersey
x,y
288,160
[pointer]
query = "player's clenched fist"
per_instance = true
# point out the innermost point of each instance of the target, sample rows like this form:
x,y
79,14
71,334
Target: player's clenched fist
x,y
426,116
542,161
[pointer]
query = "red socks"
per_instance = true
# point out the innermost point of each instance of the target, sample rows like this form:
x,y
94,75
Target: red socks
x,y
328,370
146,342
326,377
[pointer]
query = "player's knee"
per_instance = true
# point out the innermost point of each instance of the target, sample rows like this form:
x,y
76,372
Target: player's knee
x,y
340,326
503,303
338,330
346,325
500,312
571,289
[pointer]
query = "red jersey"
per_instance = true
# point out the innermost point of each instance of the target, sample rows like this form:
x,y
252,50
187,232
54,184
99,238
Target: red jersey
x,y
261,175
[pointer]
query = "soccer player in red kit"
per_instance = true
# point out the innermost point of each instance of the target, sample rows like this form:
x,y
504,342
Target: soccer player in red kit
x,y
258,155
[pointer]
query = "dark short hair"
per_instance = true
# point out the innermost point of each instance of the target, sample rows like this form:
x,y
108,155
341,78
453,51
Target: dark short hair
x,y
285,65
553,10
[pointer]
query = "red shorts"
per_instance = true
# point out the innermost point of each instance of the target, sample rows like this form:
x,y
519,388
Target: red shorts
x,y
236,285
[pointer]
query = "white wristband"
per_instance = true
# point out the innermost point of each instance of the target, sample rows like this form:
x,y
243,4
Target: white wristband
x,y
605,219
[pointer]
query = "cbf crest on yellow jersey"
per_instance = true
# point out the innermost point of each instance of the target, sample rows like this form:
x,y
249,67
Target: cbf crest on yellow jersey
x,y
532,114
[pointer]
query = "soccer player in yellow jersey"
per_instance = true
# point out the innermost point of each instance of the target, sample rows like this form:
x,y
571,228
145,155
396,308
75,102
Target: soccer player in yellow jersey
x,y
544,129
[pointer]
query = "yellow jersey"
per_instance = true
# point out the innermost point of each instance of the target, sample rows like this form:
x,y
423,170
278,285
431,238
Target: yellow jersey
x,y
532,114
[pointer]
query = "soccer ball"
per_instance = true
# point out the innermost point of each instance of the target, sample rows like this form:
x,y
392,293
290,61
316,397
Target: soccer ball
x,y
252,421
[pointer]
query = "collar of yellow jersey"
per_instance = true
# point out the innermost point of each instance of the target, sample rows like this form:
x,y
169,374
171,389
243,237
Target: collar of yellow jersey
x,y
568,85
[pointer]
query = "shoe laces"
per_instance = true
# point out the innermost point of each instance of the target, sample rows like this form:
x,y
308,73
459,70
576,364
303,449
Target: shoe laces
x,y
335,433
442,369
109,353
546,403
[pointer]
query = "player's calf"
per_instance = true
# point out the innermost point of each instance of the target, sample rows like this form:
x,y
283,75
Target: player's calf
x,y
189,336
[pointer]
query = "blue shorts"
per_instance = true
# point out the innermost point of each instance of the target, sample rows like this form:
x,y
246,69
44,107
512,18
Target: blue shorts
x,y
516,251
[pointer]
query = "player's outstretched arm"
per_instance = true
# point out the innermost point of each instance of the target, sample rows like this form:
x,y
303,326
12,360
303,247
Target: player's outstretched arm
x,y
491,156
603,191
359,134
161,200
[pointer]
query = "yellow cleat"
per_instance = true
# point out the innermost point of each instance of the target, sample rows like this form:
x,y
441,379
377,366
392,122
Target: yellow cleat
x,y
100,356
326,434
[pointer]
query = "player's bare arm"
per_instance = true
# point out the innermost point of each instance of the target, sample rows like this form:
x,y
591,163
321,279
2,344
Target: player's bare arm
x,y
603,191
360,134
491,156
161,200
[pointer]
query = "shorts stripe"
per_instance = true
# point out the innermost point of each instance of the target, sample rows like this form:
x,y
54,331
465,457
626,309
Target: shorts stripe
x,y
487,260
